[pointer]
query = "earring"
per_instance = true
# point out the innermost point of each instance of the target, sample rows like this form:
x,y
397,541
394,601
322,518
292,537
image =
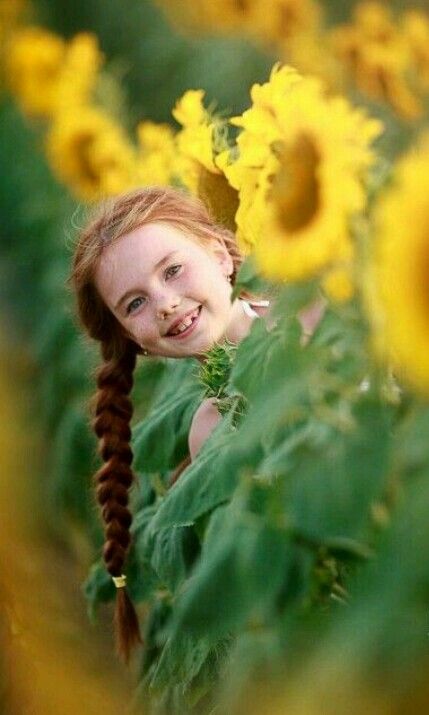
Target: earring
x,y
229,278
144,351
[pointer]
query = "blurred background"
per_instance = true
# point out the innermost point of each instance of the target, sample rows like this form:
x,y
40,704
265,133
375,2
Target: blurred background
x,y
56,656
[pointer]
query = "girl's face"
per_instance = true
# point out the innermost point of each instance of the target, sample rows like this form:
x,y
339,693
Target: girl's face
x,y
155,280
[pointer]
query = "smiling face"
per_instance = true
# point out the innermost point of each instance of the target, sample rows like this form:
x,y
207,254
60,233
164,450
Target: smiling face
x,y
155,280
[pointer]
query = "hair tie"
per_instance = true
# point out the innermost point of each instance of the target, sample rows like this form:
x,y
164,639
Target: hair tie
x,y
119,581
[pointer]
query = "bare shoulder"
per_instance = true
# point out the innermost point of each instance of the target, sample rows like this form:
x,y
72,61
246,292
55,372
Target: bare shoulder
x,y
264,308
261,310
204,421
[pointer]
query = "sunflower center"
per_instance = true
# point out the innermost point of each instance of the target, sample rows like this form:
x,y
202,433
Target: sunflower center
x,y
295,189
219,196
423,283
288,20
242,5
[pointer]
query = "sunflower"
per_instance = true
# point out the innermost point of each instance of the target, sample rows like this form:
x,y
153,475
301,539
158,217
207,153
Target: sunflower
x,y
79,72
223,16
338,284
202,138
195,140
11,15
47,75
91,154
397,280
302,157
269,22
11,12
310,54
32,64
415,26
378,56
285,20
157,153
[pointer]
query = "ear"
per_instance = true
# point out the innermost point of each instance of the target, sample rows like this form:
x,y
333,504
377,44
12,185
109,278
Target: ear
x,y
221,254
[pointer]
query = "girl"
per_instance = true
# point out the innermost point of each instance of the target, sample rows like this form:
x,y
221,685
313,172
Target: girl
x,y
153,275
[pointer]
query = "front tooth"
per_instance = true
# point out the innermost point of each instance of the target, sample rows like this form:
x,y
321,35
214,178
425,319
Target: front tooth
x,y
185,324
180,328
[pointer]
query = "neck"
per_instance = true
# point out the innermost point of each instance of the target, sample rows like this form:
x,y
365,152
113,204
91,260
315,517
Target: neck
x,y
239,323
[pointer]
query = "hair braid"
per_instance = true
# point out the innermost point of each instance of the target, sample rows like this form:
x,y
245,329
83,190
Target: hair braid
x,y
113,412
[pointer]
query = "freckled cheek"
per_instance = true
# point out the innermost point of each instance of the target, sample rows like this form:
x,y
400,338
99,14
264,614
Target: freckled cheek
x,y
185,283
196,286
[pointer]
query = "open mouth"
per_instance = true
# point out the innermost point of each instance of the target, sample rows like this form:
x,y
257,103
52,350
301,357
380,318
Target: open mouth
x,y
187,326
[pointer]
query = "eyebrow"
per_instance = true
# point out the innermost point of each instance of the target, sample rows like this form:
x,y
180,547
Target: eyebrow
x,y
133,290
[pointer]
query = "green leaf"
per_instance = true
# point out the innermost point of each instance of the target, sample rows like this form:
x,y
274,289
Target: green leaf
x,y
97,588
329,490
234,580
384,631
72,466
160,440
173,551
411,452
182,658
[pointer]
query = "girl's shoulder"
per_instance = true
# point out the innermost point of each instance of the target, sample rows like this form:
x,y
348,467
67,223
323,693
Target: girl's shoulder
x,y
203,423
255,308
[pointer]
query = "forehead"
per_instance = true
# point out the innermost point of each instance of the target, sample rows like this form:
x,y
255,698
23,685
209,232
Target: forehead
x,y
151,241
140,250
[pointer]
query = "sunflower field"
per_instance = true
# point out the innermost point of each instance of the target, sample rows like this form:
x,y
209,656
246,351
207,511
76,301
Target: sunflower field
x,y
286,569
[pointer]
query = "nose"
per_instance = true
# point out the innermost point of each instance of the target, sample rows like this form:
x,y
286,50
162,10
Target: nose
x,y
166,305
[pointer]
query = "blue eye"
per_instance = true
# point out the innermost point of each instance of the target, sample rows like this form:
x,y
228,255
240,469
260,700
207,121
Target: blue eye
x,y
174,269
130,308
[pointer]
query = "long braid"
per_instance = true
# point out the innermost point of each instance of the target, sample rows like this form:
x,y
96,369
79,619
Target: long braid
x,y
113,412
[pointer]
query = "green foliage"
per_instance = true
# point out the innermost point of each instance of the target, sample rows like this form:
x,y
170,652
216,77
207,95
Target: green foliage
x,y
281,500
214,372
299,529
168,423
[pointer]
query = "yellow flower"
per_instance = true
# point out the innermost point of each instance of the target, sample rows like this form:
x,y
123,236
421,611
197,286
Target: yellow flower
x,y
272,22
11,10
374,19
338,285
397,281
91,154
189,109
199,142
222,16
310,54
78,75
46,74
416,32
11,14
33,64
302,157
195,138
283,20
377,56
157,153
